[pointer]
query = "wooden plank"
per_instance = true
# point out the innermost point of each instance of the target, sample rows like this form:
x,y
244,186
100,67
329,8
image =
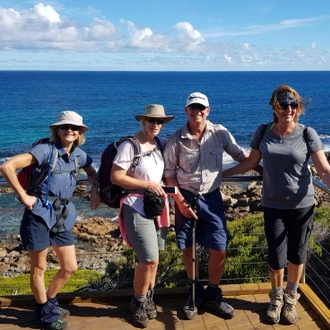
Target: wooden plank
x,y
315,303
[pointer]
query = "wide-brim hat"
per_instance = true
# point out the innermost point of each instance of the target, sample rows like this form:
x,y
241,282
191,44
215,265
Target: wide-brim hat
x,y
154,111
198,98
70,117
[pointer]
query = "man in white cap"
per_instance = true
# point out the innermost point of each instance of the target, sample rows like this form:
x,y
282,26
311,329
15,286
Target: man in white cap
x,y
193,162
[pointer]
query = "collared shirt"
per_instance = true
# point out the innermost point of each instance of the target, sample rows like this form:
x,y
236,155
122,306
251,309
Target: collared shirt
x,y
197,165
61,184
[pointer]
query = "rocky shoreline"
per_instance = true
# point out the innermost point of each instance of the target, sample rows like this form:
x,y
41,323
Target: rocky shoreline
x,y
99,240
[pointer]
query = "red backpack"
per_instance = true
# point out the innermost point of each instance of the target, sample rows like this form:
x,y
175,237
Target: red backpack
x,y
29,178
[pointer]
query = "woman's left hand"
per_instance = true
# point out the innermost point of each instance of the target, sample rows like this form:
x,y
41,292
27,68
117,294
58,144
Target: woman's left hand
x,y
156,188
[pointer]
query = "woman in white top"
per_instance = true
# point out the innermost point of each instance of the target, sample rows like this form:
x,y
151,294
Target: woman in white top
x,y
142,232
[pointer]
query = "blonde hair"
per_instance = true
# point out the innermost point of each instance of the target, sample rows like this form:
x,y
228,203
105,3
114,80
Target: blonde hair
x,y
276,104
54,137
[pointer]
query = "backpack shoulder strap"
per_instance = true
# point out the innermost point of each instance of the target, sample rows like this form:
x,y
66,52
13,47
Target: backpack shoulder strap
x,y
160,143
45,168
137,149
305,133
54,156
263,131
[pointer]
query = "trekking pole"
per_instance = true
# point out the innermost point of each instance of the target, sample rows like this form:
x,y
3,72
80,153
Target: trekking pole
x,y
194,206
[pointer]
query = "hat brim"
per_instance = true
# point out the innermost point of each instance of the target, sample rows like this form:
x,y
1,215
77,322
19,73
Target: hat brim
x,y
205,104
83,128
166,118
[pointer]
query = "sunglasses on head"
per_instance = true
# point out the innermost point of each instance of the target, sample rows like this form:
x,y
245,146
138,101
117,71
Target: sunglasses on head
x,y
196,106
293,105
72,127
155,121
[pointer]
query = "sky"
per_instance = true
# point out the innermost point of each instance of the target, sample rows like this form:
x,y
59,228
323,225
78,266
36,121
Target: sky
x,y
165,35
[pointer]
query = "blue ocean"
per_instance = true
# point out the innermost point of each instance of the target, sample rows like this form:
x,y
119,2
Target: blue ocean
x,y
108,101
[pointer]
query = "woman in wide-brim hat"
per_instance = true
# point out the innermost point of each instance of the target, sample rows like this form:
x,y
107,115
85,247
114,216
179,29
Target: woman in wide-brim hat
x,y
143,233
48,203
154,111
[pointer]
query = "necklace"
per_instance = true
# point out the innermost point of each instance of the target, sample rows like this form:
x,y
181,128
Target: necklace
x,y
282,137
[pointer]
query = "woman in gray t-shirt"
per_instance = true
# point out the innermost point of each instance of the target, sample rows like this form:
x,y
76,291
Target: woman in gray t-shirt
x,y
288,194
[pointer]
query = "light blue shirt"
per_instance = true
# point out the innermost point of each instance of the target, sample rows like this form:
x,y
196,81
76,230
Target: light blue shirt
x,y
61,184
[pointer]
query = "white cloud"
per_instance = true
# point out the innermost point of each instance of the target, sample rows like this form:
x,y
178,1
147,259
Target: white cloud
x,y
46,12
100,30
43,28
227,58
247,46
189,37
258,29
145,39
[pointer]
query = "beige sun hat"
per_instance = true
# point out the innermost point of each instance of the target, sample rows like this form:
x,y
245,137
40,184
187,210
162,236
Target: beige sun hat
x,y
70,117
154,111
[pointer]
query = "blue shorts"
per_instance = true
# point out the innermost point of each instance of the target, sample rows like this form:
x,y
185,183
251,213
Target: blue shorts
x,y
146,239
36,236
287,233
211,231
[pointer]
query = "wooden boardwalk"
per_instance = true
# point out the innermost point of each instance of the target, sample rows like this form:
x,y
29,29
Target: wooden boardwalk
x,y
110,310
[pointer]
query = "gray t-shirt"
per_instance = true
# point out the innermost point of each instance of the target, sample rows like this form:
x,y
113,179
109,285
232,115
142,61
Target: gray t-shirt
x,y
287,180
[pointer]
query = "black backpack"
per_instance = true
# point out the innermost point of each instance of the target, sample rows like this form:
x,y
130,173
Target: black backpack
x,y
110,193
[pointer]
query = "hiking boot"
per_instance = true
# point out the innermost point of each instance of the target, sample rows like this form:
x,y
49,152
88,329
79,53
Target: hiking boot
x,y
62,311
47,313
57,325
188,309
289,313
214,300
138,309
273,314
151,308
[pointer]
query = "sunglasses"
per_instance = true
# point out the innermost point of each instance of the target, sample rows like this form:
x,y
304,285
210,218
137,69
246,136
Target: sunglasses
x,y
293,105
156,121
196,106
72,127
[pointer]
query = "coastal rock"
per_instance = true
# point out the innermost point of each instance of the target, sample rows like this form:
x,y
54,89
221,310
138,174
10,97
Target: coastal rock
x,y
100,242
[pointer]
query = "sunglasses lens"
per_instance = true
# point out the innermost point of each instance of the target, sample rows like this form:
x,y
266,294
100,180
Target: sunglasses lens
x,y
293,105
197,107
154,121
67,127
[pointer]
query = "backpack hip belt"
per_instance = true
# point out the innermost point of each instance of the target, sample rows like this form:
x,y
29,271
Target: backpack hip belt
x,y
61,213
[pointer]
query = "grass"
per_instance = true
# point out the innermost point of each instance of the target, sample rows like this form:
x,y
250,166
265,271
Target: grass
x,y
21,284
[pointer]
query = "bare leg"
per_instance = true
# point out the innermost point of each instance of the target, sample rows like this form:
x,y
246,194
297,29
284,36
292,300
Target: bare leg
x,y
295,272
145,276
276,277
38,261
187,260
216,265
68,262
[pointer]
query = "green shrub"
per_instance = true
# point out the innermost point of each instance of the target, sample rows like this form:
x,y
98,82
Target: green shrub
x,y
21,284
246,260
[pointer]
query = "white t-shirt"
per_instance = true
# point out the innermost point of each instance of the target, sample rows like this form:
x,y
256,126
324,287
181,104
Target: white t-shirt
x,y
150,168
